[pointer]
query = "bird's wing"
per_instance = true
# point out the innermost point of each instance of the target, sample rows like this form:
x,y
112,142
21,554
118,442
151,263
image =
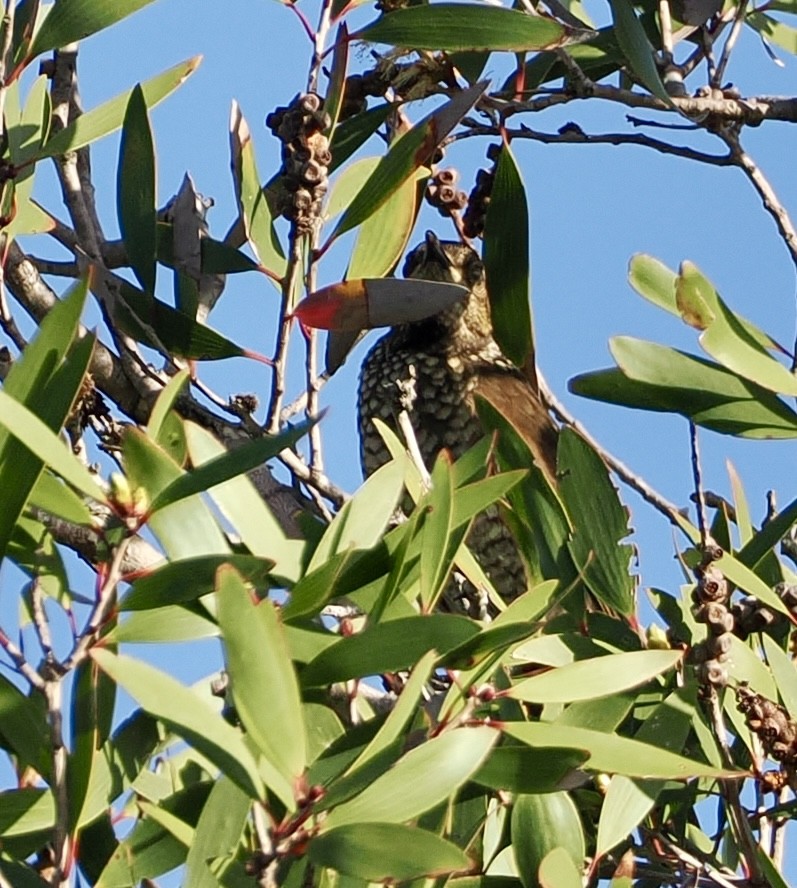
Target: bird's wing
x,y
513,397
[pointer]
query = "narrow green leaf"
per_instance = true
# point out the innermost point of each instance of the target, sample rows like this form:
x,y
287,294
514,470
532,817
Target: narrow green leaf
x,y
599,522
459,26
252,204
337,76
264,686
387,647
353,133
420,780
55,497
246,511
72,20
383,236
187,528
521,769
726,339
436,532
381,852
182,581
636,47
47,446
27,133
170,623
26,810
413,150
471,499
169,331
135,191
596,677
783,672
218,831
628,801
187,715
363,519
506,259
347,183
401,714
230,464
540,824
166,400
108,117
24,728
613,754
770,29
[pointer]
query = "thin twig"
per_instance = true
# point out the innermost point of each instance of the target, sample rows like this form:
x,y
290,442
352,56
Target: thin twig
x,y
765,191
23,667
730,43
572,134
702,521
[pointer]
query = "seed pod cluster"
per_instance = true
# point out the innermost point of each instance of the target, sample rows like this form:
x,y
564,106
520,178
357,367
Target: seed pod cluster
x,y
479,198
442,192
306,157
710,598
771,723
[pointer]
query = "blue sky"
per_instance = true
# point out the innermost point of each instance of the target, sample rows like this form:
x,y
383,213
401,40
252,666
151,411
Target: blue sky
x,y
592,208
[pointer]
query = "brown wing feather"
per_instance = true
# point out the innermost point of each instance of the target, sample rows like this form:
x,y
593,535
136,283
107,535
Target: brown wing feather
x,y
512,396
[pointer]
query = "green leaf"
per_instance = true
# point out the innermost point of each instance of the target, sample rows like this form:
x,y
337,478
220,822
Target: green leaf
x,y
169,331
351,134
187,715
380,852
166,400
246,511
186,580
218,831
186,528
55,497
772,30
471,499
457,26
783,672
47,446
541,823
727,339
613,754
337,76
636,47
387,647
264,686
420,780
401,714
23,728
346,184
170,623
71,20
521,769
230,464
559,870
26,810
29,130
506,258
413,150
363,519
596,677
252,205
383,236
599,523
108,117
627,801
438,545
135,193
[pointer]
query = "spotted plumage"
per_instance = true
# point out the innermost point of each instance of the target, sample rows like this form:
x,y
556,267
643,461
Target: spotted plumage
x,y
434,369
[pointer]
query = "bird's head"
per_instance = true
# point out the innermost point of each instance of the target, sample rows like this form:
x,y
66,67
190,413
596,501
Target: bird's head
x,y
457,263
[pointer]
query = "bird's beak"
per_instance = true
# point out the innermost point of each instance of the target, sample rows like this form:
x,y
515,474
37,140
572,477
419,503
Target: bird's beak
x,y
434,250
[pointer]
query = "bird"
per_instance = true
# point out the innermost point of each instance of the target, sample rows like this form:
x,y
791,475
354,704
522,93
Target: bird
x,y
435,369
